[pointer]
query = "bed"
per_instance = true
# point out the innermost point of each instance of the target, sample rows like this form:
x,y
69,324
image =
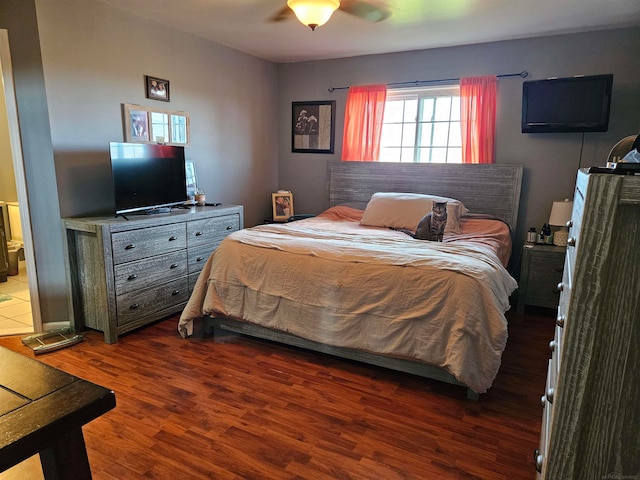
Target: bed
x,y
345,284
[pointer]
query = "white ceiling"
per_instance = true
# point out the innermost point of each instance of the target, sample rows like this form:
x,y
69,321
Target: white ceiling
x,y
413,24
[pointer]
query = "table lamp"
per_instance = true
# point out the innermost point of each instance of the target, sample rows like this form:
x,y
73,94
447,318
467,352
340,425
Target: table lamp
x,y
560,215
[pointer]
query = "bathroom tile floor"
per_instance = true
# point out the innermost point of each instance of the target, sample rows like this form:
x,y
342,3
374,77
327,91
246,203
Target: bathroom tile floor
x,y
15,304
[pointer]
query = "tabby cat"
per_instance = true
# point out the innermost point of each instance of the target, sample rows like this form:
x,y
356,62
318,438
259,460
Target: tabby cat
x,y
432,225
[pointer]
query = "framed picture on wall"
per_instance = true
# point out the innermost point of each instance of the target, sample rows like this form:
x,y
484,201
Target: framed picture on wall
x,y
154,125
157,88
136,125
313,126
282,203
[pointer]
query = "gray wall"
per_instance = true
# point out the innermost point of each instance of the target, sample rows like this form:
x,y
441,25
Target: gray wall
x,y
19,18
550,160
93,58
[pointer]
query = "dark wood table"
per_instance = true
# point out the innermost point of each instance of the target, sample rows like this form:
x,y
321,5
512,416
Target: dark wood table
x,y
42,410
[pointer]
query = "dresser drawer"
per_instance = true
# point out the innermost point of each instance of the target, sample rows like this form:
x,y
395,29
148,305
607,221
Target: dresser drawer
x,y
545,429
545,272
149,271
193,278
556,347
198,256
210,230
141,303
147,242
575,228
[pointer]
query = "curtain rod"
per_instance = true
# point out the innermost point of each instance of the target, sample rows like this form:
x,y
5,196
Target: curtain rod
x,y
523,74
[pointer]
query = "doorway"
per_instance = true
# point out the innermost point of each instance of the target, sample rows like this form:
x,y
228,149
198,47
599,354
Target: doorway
x,y
19,302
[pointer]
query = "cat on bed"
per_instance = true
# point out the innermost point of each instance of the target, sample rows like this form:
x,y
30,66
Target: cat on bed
x,y
432,225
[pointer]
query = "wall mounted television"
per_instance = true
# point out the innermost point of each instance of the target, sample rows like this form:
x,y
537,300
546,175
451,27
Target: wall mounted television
x,y
147,178
573,104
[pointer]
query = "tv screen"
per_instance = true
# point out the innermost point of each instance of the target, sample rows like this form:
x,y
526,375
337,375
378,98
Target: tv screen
x,y
147,177
574,104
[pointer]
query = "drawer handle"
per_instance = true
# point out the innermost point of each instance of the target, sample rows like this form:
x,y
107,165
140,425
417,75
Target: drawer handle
x,y
549,394
133,276
199,234
571,242
552,345
229,227
538,459
569,223
171,239
173,265
130,246
560,287
560,321
175,292
543,400
199,259
134,306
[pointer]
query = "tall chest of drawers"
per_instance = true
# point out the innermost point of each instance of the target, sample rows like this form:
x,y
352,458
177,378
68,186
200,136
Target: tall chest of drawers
x,y
124,274
591,406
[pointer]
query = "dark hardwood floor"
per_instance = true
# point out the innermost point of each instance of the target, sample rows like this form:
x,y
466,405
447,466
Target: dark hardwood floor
x,y
232,407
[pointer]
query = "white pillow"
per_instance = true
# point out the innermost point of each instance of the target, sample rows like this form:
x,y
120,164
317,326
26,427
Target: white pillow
x,y
405,210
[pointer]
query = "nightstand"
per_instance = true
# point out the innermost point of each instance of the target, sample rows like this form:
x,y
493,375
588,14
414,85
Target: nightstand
x,y
540,274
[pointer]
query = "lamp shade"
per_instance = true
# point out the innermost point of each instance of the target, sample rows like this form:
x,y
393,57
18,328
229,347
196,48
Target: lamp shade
x,y
561,213
313,13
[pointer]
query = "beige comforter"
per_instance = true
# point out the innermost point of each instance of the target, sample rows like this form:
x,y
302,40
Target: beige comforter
x,y
330,280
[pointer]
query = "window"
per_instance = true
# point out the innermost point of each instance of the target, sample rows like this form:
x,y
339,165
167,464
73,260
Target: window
x,y
422,125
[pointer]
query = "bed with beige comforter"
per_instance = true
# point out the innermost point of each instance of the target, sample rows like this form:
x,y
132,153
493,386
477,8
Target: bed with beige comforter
x,y
331,280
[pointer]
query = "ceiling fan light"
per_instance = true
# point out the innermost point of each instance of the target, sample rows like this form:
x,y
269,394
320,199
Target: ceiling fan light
x,y
313,13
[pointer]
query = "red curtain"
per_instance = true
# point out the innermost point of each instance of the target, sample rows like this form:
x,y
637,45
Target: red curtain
x,y
363,123
478,118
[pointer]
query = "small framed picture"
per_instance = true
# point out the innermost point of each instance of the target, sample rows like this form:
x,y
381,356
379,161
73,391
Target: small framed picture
x,y
192,182
157,88
137,124
282,203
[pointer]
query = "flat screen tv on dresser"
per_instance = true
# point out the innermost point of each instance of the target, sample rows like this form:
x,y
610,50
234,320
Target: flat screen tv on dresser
x,y
146,177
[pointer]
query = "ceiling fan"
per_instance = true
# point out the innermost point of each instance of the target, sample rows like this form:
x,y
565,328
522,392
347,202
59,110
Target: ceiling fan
x,y
315,13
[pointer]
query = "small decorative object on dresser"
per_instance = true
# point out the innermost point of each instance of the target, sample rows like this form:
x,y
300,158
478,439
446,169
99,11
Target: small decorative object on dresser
x,y
540,273
592,397
124,274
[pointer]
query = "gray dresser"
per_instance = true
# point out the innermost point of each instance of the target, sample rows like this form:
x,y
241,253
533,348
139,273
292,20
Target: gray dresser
x,y
591,419
124,274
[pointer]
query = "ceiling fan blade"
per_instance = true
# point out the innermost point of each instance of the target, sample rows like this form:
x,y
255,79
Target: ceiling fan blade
x,y
364,10
283,14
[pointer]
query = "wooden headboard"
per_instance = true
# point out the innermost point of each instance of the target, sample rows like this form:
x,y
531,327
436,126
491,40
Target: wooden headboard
x,y
483,188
